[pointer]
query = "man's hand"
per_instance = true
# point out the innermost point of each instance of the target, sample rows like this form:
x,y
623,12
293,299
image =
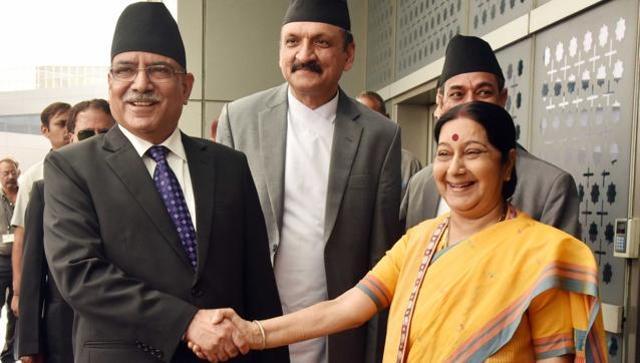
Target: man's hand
x,y
15,301
32,359
214,338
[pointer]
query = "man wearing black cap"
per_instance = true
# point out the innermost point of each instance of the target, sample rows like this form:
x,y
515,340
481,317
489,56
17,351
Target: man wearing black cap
x,y
327,170
147,230
471,73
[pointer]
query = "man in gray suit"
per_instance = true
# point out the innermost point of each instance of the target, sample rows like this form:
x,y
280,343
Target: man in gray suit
x,y
547,193
409,164
327,170
147,230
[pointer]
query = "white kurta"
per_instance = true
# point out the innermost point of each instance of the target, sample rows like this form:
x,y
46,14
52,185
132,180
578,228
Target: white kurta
x,y
299,265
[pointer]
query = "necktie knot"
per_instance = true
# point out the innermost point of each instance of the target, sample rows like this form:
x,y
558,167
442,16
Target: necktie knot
x,y
158,153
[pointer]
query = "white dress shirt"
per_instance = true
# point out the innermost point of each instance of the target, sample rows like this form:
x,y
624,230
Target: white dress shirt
x,y
25,183
176,158
299,264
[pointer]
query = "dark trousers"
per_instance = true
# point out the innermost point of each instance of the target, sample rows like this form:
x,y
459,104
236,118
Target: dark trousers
x,y
6,294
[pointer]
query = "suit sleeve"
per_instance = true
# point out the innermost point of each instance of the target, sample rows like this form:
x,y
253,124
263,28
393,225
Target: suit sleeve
x,y
224,135
562,206
33,277
89,282
261,293
386,230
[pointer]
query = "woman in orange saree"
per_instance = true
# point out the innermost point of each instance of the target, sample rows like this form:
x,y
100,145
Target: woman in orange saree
x,y
482,283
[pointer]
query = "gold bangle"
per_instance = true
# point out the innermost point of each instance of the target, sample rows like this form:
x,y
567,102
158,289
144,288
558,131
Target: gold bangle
x,y
262,333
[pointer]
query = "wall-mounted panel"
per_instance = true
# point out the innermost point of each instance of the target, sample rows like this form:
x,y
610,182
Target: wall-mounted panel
x,y
515,62
583,108
380,43
488,15
423,29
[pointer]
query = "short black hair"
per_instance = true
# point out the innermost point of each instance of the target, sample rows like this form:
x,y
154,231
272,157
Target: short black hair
x,y
52,110
375,97
96,103
498,125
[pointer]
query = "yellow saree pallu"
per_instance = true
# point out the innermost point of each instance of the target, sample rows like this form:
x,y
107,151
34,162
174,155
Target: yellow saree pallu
x,y
489,294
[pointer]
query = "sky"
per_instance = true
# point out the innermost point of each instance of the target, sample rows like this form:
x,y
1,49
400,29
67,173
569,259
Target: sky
x,y
58,32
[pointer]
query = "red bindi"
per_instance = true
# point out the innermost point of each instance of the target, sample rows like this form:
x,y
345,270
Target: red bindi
x,y
454,137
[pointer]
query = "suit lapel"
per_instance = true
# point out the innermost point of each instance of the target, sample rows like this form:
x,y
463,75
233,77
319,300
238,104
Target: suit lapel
x,y
202,171
125,162
346,138
273,135
432,199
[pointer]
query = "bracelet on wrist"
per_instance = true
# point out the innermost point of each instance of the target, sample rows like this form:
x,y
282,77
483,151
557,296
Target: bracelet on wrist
x,y
262,334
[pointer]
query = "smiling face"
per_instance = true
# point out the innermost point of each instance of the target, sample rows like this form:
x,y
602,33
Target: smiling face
x,y
149,110
312,59
468,170
467,87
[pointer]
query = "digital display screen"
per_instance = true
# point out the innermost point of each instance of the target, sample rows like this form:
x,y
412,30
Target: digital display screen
x,y
621,227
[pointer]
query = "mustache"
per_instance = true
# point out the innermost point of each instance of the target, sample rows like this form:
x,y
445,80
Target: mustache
x,y
312,66
133,96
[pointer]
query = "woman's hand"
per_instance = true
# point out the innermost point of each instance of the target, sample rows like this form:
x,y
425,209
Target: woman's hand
x,y
227,327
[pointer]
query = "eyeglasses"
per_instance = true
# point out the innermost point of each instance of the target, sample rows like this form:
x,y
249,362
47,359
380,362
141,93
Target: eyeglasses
x,y
155,73
87,133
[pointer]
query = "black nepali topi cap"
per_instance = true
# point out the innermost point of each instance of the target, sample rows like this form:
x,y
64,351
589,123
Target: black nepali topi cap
x,y
334,12
148,27
468,54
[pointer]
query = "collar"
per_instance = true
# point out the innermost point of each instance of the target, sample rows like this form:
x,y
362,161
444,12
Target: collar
x,y
173,143
327,111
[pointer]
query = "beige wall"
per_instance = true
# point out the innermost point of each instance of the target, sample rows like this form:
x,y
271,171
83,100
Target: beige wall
x,y
232,50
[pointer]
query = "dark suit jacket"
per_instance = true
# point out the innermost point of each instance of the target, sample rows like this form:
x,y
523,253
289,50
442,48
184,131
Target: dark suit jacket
x,y
545,192
46,319
363,190
117,259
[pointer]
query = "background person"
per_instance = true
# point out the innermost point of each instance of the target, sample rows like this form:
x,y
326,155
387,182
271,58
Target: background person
x,y
54,127
409,164
547,193
45,324
9,172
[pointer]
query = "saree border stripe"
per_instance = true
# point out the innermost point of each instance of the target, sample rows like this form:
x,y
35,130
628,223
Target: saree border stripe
x,y
375,290
499,330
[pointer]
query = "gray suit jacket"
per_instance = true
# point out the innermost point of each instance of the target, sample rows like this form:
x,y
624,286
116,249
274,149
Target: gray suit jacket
x,y
117,259
545,192
364,187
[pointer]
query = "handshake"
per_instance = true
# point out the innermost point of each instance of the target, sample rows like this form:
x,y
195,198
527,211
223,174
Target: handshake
x,y
218,335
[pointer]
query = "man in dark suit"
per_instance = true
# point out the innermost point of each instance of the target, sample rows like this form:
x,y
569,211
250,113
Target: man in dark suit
x,y
327,170
547,193
45,318
148,230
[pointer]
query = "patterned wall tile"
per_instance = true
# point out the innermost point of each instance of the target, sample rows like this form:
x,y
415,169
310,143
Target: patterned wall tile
x,y
423,29
487,15
515,62
380,44
583,107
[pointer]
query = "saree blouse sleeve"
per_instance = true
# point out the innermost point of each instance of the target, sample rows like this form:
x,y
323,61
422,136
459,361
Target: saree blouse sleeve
x,y
380,283
551,323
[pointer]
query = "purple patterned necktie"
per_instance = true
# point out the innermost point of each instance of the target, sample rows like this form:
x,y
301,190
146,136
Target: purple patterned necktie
x,y
169,188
